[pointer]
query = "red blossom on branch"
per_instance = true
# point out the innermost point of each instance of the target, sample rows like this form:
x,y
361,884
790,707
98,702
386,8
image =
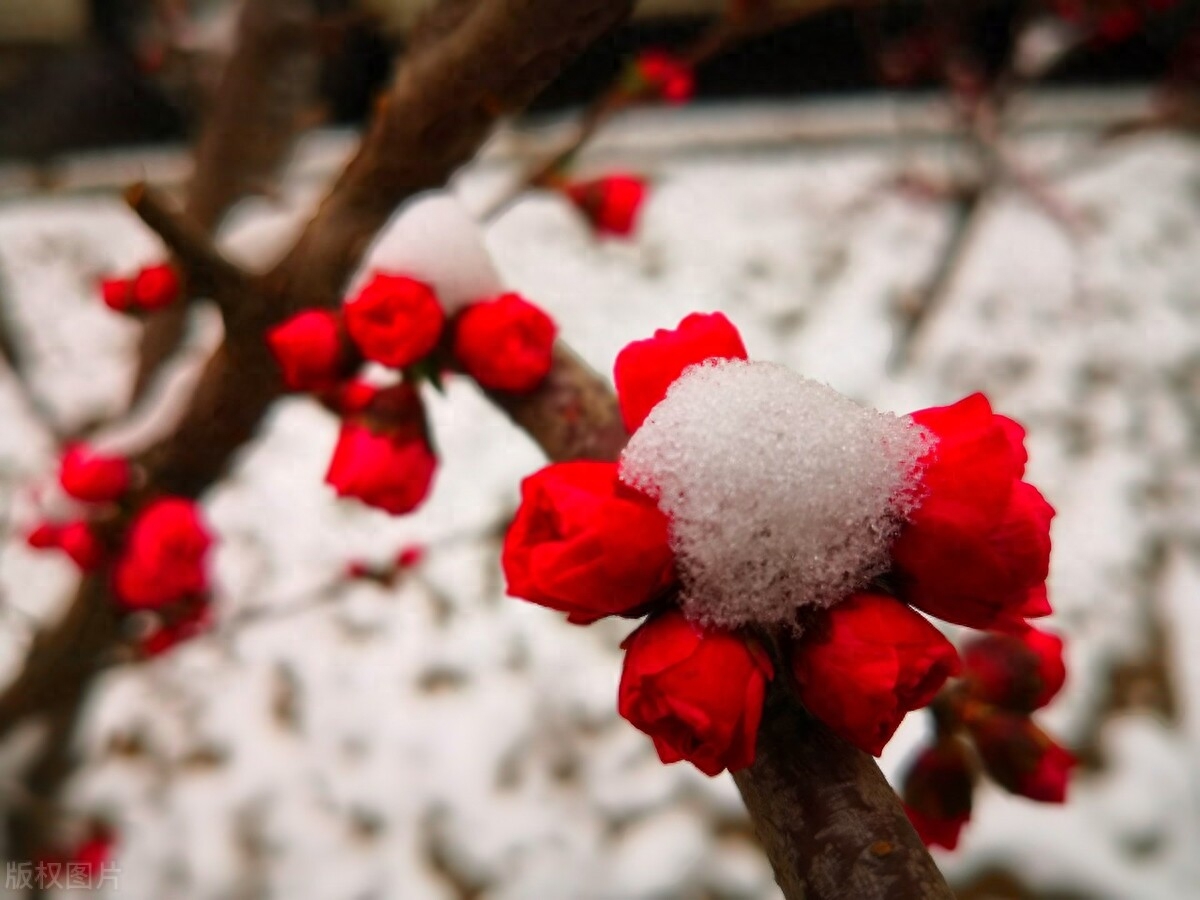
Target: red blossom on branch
x,y
866,664
395,320
661,75
937,791
612,203
698,693
506,344
383,457
93,477
165,555
977,550
310,349
77,540
583,544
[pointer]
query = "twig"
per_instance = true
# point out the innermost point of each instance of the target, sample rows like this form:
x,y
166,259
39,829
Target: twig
x,y
724,35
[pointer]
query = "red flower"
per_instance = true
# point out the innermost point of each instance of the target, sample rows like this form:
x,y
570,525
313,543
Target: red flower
x,y
1019,672
867,662
698,693
645,369
937,792
309,350
611,203
506,344
410,556
583,544
663,75
164,557
391,469
76,539
117,293
155,287
395,320
91,477
1019,756
977,550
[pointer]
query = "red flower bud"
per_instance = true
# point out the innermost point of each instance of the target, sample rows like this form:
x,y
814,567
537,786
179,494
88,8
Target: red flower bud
x,y
156,287
91,477
506,344
583,544
76,539
391,469
645,369
665,76
1019,756
164,557
977,550
117,293
611,203
698,693
410,556
395,320
937,792
309,350
1019,672
863,665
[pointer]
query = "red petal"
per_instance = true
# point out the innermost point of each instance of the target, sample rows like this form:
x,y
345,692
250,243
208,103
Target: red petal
x,y
646,369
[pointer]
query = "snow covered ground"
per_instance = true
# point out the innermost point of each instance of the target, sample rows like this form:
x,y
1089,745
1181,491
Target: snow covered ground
x,y
440,741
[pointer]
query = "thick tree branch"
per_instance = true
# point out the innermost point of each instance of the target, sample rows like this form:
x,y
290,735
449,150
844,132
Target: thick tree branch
x,y
256,114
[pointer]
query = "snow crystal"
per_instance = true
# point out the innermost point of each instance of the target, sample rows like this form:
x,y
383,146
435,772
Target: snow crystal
x,y
782,493
436,240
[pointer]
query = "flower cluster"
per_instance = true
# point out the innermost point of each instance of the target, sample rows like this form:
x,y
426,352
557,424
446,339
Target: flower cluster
x,y
154,287
158,560
384,456
984,723
945,524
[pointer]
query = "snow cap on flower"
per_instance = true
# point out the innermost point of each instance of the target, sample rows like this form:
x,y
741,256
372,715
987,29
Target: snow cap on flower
x,y
92,477
506,343
436,240
782,494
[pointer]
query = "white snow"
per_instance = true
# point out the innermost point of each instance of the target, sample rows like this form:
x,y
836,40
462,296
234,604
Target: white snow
x,y
782,493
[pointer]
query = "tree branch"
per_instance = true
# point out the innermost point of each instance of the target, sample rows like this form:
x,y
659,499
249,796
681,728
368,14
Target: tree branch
x,y
257,112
